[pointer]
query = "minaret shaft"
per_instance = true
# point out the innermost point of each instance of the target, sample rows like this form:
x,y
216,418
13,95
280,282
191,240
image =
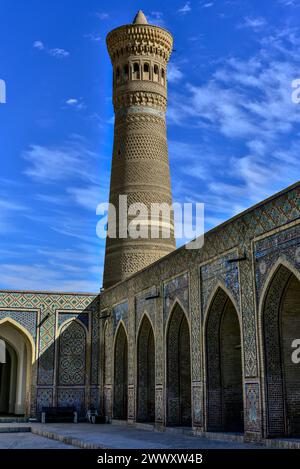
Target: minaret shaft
x,y
140,167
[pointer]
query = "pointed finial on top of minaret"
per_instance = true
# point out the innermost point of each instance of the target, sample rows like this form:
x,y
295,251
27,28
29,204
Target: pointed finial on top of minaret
x,y
140,18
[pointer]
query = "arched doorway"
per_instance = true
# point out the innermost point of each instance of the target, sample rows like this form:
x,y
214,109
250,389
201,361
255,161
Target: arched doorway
x,y
120,375
146,373
178,370
8,373
281,326
15,372
224,377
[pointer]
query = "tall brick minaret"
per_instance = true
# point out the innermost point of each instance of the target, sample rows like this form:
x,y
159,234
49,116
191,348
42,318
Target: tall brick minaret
x,y
139,54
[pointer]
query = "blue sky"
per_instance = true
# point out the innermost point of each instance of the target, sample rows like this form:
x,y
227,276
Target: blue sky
x,y
233,129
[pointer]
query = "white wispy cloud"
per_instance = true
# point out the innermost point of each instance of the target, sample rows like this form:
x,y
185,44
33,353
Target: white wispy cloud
x,y
102,15
226,102
186,8
76,103
93,37
156,17
174,73
254,23
250,129
9,208
59,53
72,101
89,197
82,228
83,254
38,45
32,276
55,52
62,162
10,205
50,199
289,3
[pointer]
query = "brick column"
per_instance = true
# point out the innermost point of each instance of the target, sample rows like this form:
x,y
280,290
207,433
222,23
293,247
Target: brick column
x,y
160,418
108,366
196,355
131,359
252,388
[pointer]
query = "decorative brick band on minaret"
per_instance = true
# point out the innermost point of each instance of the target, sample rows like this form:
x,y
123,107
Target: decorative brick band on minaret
x,y
140,166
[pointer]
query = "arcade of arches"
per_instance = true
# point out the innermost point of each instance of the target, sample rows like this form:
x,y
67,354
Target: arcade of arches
x,y
223,405
202,338
224,402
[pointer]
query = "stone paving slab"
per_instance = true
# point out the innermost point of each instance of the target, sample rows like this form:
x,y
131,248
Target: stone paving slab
x,y
117,436
14,428
29,441
90,436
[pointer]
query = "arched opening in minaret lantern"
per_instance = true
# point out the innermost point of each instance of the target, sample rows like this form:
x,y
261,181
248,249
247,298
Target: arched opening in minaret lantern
x,y
136,71
156,73
146,71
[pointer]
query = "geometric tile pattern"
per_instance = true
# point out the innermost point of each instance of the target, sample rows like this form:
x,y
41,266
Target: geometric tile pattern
x,y
27,319
72,354
253,421
72,398
266,252
223,271
159,404
196,348
120,312
48,326
44,398
36,312
195,325
176,289
82,317
95,398
95,342
145,304
248,318
197,406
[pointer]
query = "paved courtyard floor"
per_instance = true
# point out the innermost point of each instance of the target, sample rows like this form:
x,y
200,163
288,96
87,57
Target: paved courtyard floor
x,y
29,441
113,437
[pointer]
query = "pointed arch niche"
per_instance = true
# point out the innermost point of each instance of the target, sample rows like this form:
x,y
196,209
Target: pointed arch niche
x,y
224,375
145,372
280,327
178,369
120,374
